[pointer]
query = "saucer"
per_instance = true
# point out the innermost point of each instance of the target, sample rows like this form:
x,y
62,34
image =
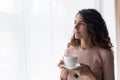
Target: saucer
x,y
67,67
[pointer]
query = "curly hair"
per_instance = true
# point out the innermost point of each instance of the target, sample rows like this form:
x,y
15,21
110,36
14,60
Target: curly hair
x,y
96,28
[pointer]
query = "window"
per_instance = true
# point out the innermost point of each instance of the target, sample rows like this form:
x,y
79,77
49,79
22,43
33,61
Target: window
x,y
7,6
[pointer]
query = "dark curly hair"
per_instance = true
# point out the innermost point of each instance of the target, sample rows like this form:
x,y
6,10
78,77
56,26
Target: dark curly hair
x,y
96,28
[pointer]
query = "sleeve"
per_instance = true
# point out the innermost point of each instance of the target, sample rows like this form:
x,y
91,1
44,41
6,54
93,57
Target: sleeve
x,y
108,66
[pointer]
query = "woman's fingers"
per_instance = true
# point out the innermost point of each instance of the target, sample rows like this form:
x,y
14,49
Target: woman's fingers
x,y
85,70
64,73
60,63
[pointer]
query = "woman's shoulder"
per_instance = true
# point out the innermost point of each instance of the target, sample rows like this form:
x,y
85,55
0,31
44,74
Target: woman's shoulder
x,y
69,50
105,53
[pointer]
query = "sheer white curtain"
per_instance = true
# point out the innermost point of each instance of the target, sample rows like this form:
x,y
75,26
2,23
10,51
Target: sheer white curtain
x,y
12,42
51,24
34,34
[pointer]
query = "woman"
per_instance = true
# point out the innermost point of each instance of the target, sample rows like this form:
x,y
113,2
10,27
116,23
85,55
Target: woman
x,y
92,44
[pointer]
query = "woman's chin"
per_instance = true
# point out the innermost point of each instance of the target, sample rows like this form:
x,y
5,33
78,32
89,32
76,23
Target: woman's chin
x,y
76,37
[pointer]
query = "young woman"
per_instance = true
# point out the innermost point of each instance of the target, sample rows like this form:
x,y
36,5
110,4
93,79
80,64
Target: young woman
x,y
92,44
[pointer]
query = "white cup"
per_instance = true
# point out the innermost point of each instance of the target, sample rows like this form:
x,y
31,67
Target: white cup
x,y
70,61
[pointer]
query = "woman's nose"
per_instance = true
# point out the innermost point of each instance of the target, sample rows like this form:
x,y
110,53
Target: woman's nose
x,y
77,26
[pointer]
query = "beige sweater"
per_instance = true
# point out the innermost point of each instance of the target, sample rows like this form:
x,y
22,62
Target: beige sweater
x,y
100,60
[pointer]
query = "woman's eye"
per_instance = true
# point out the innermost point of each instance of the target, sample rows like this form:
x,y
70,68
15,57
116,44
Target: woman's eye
x,y
77,25
81,23
74,22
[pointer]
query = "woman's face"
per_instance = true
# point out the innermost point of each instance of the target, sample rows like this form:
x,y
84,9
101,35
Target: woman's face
x,y
80,29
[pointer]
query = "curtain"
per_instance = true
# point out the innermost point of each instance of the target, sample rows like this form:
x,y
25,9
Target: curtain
x,y
12,40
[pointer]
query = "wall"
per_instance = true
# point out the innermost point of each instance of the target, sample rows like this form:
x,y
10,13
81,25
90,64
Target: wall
x,y
118,34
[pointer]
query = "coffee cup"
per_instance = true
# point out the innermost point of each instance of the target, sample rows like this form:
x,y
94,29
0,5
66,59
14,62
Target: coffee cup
x,y
70,61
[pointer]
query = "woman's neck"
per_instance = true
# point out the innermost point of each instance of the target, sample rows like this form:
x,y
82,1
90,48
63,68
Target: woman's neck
x,y
86,44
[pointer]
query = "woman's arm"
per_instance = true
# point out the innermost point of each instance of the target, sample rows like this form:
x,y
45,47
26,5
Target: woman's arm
x,y
108,66
63,74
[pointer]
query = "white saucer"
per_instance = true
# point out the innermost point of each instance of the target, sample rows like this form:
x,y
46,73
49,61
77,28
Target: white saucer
x,y
67,67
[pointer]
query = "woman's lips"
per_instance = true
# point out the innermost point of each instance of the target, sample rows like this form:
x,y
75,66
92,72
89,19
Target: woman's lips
x,y
77,32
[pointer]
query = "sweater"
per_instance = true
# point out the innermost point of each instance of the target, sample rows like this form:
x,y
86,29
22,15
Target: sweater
x,y
101,61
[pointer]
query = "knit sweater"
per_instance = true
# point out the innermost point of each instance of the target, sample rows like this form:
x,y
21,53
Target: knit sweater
x,y
101,61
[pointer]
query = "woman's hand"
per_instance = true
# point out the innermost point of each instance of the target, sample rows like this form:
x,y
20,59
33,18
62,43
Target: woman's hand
x,y
60,63
85,70
63,74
